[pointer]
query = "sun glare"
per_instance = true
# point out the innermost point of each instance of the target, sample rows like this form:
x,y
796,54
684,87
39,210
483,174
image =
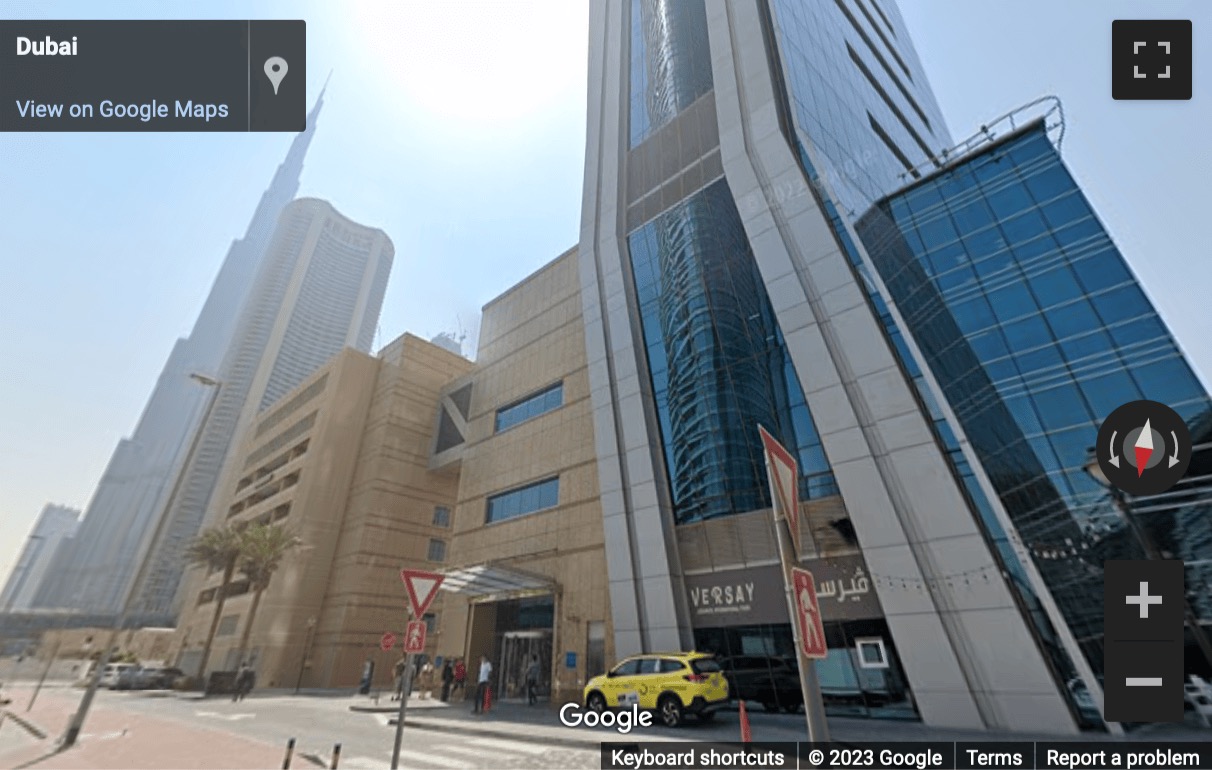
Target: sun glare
x,y
480,60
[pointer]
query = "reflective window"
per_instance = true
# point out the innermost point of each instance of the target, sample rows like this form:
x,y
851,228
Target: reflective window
x,y
670,62
528,499
1069,338
532,406
441,516
437,550
718,362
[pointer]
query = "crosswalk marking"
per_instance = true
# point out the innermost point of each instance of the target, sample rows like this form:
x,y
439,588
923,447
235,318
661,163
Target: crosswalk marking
x,y
413,758
525,748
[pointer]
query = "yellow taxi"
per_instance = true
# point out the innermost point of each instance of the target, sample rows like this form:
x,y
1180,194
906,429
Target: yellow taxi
x,y
671,683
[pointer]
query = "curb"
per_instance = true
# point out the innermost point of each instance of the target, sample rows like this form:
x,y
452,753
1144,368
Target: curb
x,y
384,709
573,743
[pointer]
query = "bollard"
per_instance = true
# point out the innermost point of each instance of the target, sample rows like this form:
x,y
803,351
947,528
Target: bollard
x,y
336,756
290,749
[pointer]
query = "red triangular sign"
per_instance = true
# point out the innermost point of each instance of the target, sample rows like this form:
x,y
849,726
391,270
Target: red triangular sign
x,y
422,587
784,483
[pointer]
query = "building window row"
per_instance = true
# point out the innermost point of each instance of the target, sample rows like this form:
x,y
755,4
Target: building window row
x,y
879,89
268,468
879,31
530,407
441,516
891,145
875,4
883,62
291,406
264,493
531,498
282,440
437,550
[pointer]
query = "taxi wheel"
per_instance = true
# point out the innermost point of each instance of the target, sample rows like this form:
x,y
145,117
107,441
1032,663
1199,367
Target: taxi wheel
x,y
670,709
596,702
707,716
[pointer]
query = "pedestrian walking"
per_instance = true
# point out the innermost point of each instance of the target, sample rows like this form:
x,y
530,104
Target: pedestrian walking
x,y
426,681
447,680
460,678
532,680
244,682
401,666
482,685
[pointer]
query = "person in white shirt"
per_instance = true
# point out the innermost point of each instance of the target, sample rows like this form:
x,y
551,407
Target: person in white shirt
x,y
482,684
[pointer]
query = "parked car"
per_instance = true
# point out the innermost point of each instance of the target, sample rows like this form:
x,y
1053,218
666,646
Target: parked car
x,y
127,679
157,678
109,677
773,682
672,684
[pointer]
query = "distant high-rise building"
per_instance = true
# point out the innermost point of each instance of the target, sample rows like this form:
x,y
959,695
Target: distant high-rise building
x,y
449,341
319,290
56,524
94,571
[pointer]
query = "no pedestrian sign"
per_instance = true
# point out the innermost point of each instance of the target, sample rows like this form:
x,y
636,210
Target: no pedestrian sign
x,y
812,631
414,637
387,642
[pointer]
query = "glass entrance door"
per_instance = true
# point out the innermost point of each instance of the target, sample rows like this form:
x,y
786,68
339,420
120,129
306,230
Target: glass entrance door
x,y
518,649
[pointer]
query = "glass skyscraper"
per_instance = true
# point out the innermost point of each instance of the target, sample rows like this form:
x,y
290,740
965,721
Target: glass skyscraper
x,y
745,263
1036,329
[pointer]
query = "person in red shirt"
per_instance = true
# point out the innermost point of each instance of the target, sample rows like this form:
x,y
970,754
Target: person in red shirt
x,y
460,677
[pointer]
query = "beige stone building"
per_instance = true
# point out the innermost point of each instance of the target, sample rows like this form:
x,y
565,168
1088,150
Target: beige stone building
x,y
419,458
527,571
343,462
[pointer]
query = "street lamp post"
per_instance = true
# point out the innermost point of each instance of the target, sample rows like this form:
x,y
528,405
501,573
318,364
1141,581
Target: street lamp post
x,y
77,721
1148,544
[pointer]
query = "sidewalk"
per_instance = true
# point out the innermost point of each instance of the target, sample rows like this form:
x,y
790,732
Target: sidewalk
x,y
542,723
116,740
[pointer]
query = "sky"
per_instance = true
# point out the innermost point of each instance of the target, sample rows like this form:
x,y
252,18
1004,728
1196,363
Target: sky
x,y
458,128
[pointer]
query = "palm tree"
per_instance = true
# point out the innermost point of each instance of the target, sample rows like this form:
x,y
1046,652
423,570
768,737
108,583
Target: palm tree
x,y
218,548
263,548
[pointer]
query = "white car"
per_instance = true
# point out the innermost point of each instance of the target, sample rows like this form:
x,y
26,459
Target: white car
x,y
109,677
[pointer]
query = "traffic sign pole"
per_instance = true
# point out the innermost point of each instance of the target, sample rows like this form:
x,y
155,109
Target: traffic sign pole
x,y
810,686
407,686
422,587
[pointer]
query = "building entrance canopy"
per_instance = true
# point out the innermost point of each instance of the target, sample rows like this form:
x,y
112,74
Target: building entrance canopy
x,y
493,582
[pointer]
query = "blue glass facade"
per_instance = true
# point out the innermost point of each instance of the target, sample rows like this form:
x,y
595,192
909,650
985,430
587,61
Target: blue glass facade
x,y
717,359
670,62
1036,330
858,94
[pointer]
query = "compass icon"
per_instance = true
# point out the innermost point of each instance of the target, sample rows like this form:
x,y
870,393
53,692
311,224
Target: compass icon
x,y
1144,448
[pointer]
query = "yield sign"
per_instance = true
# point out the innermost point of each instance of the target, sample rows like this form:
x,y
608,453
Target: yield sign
x,y
783,472
422,588
808,615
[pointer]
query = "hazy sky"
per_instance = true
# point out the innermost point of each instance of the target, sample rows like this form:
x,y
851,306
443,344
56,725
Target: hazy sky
x,y
458,128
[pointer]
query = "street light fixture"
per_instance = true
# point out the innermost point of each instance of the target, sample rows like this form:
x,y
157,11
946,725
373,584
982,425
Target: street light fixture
x,y
1146,542
77,721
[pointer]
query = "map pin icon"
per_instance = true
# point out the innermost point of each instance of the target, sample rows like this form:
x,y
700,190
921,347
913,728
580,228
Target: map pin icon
x,y
275,70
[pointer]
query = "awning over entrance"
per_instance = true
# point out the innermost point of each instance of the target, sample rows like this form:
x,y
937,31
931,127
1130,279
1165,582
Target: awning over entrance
x,y
494,581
